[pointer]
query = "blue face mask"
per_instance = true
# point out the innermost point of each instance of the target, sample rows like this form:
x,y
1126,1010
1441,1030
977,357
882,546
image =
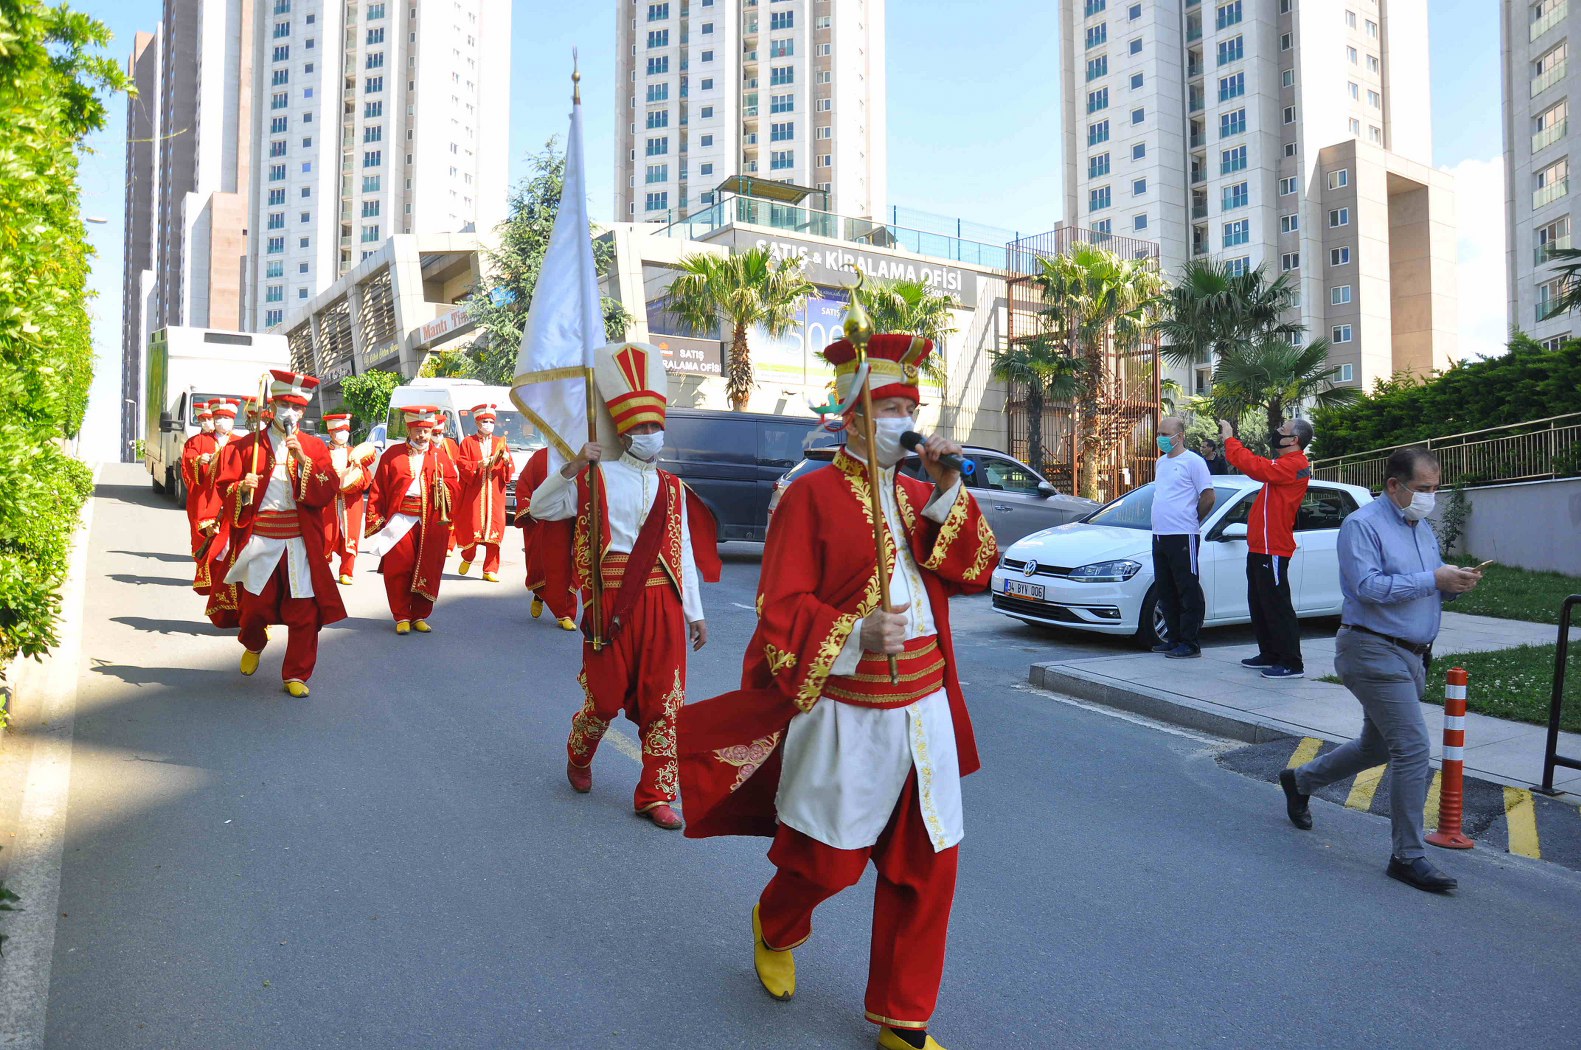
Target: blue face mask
x,y
1166,444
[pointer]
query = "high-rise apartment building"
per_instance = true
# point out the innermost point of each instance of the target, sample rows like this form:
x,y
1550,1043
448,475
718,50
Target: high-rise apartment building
x,y
785,90
1289,134
1538,144
373,118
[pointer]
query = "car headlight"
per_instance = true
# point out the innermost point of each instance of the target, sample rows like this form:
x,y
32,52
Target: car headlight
x,y
1106,571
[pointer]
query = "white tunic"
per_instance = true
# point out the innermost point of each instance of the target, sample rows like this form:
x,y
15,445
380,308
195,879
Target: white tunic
x,y
395,530
845,765
258,559
631,486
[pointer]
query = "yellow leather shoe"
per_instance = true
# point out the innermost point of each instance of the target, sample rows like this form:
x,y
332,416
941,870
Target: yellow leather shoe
x,y
345,579
421,626
403,627
567,624
249,661
466,567
888,1040
537,608
777,970
296,687
491,577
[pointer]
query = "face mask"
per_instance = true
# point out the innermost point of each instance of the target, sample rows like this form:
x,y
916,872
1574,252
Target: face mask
x,y
1166,444
418,440
886,438
647,446
223,425
1422,504
287,418
486,429
206,427
340,437
1276,440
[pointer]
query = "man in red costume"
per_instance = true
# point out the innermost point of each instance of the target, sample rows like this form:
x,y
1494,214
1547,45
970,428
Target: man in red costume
x,y
548,557
355,475
277,484
485,465
208,500
656,539
408,526
821,749
198,449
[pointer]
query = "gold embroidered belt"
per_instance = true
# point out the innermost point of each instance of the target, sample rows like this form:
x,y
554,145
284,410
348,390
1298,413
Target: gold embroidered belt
x,y
921,668
412,505
614,565
277,525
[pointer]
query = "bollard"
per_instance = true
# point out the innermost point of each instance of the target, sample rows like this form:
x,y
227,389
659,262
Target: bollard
x,y
1452,792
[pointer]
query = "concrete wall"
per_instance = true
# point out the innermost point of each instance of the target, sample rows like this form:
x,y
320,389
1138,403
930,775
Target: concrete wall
x,y
1529,525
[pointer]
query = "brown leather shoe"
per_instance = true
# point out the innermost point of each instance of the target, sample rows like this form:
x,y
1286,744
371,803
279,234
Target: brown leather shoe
x,y
665,817
581,777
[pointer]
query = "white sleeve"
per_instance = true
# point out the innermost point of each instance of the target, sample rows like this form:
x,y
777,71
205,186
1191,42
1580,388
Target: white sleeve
x,y
941,503
850,654
691,596
555,499
1201,478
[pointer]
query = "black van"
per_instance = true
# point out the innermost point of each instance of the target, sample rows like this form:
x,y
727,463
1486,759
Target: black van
x,y
732,460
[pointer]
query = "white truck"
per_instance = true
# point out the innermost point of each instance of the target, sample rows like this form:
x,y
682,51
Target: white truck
x,y
187,366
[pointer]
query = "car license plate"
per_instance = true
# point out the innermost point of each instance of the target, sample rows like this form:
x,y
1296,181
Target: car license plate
x,y
1024,590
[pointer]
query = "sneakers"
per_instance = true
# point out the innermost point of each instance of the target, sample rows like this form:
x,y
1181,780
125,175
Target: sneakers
x,y
1258,662
1281,671
1184,652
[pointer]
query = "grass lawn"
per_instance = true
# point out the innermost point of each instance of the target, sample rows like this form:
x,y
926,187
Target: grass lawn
x,y
1516,684
1517,594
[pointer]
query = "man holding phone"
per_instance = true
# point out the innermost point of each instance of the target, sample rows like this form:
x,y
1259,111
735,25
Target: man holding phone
x,y
1394,582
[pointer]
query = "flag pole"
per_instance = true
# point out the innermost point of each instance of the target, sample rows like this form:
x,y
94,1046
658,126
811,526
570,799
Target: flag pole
x,y
595,511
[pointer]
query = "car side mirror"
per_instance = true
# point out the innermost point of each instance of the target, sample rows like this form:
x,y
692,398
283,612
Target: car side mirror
x,y
1233,532
1046,490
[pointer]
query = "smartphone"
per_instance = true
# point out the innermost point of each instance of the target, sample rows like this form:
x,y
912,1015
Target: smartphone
x,y
1479,568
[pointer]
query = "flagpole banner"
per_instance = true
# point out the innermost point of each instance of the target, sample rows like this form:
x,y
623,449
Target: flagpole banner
x,y
565,323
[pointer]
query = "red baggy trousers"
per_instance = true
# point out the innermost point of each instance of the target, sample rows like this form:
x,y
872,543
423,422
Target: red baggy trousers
x,y
398,565
491,555
911,906
275,605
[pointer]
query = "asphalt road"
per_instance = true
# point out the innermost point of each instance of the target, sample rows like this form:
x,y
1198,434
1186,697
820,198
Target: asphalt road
x,y
398,862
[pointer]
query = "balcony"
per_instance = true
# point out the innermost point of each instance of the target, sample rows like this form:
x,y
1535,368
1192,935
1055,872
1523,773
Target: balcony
x,y
1554,16
1199,211
1551,192
1193,33
1543,252
1548,78
1549,135
1198,139
1196,102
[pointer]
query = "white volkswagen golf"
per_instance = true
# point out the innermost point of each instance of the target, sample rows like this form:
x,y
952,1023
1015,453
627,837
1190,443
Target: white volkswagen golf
x,y
1097,574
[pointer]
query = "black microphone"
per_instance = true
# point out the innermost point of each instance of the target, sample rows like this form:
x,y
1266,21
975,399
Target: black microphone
x,y
949,461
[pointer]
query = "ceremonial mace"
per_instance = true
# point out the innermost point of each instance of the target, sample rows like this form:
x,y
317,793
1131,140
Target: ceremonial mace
x,y
247,497
858,329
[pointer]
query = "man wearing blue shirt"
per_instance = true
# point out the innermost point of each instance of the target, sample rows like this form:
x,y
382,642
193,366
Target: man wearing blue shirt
x,y
1394,582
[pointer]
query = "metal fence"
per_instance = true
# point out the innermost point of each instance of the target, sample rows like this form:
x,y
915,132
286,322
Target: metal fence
x,y
1542,448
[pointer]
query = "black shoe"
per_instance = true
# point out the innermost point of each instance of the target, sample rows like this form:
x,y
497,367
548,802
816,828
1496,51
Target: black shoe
x,y
1183,652
1297,806
1419,873
1258,662
1163,647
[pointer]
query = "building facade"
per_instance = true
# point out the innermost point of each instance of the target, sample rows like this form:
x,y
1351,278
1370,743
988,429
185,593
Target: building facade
x,y
1538,141
1289,134
785,90
370,123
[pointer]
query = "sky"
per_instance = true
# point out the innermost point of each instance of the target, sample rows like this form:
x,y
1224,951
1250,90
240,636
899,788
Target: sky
x,y
974,133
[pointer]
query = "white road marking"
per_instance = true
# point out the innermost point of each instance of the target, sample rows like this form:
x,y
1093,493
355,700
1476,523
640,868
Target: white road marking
x,y
625,743
748,608
34,870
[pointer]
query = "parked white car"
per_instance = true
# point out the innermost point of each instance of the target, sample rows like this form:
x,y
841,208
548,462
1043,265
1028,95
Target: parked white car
x,y
1097,574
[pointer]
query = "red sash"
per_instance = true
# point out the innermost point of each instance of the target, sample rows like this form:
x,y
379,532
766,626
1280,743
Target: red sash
x,y
641,563
921,673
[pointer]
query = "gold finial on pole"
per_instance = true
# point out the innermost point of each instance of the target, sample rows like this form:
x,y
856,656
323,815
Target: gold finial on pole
x,y
576,80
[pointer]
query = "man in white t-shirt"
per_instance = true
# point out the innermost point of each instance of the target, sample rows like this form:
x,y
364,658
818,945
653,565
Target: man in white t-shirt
x,y
1182,498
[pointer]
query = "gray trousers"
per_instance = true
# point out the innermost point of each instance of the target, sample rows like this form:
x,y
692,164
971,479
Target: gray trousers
x,y
1389,682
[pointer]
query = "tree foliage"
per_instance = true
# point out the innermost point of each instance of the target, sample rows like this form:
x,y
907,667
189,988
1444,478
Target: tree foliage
x,y
1047,372
912,307
513,269
1211,309
1272,376
367,397
53,88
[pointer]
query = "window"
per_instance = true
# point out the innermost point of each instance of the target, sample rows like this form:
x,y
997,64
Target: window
x,y
1288,185
276,172
826,160
1324,508
1350,19
1228,14
658,118
1232,123
658,65
274,269
1097,165
781,75
1290,149
276,220
1287,78
1372,29
708,28
1138,116
1290,115
1134,13
657,201
1138,187
707,169
782,20
1093,7
1374,99
279,100
370,233
1289,261
658,12
1354,89
1136,46
275,245
1339,256
1097,100
659,147
1139,222
706,141
277,149
657,173
1097,35
1097,67
1234,196
706,113
1555,234
825,133
274,293
373,109
1097,133
783,132
782,103
782,48
1098,199
376,36
707,84
1289,223
1374,134
1346,374
1232,160
659,38
277,125
307,166
1237,232
823,105
276,197
375,60
370,209
1339,217
273,317
1340,333
1139,151
373,85
659,92
1232,87
370,183
279,77
1355,126
1351,55
1373,65
373,133
372,158
1231,50
1339,295
1102,226
1238,266
708,56
1136,81
375,12
781,159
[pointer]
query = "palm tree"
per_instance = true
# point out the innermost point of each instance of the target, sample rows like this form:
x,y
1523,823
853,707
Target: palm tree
x,y
912,307
1273,376
1211,309
741,290
1097,303
1047,372
1569,298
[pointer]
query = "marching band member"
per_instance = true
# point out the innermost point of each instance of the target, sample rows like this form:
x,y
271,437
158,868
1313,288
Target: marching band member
x,y
345,518
548,559
484,463
198,448
408,527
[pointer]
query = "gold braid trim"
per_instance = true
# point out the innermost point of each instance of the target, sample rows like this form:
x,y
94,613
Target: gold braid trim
x,y
950,531
778,659
987,550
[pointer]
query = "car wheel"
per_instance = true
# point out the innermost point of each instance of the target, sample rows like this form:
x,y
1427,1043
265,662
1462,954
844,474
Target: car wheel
x,y
1150,622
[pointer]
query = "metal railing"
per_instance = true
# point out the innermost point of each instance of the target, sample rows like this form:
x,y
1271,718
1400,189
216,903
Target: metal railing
x,y
1553,191
1548,78
1555,15
1551,757
1543,252
1539,449
1549,135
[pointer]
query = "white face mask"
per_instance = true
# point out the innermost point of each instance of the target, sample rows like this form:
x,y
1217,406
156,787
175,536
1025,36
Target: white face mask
x,y
1422,504
886,438
286,417
647,446
418,439
206,426
340,437
223,424
486,428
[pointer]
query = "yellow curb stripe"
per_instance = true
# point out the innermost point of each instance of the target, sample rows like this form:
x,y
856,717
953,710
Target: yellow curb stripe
x,y
1365,786
1430,812
1520,814
1305,752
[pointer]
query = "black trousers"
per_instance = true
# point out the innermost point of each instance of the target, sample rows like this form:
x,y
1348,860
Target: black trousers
x,y
1179,588
1273,613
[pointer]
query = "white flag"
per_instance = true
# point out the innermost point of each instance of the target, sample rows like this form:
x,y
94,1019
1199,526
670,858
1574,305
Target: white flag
x,y
565,323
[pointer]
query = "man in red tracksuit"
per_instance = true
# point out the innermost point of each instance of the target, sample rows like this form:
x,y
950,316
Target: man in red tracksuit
x,y
1271,542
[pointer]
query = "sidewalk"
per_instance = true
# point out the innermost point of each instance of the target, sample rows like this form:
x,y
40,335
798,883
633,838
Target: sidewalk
x,y
1218,696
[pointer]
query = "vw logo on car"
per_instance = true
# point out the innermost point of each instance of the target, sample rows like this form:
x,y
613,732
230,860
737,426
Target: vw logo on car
x,y
1030,569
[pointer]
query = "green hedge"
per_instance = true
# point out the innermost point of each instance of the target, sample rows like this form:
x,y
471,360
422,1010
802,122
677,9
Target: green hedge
x,y
52,87
1525,384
